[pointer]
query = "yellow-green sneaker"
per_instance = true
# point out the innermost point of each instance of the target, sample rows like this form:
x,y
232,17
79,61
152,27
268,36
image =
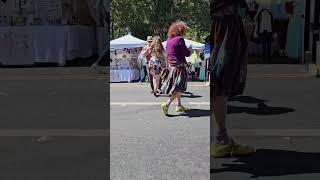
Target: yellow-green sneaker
x,y
231,149
182,108
165,108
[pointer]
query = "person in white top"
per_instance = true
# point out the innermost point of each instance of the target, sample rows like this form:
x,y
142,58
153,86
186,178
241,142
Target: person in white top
x,y
147,55
265,31
266,21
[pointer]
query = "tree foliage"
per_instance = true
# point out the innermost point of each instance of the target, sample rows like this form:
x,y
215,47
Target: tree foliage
x,y
153,17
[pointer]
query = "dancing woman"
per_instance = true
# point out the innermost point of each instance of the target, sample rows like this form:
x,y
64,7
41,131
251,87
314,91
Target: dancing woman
x,y
156,63
176,82
228,67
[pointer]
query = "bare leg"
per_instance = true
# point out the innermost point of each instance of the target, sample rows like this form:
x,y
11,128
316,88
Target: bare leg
x,y
172,97
179,98
219,110
155,83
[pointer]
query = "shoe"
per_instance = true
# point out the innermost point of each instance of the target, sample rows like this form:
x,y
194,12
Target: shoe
x,y
155,95
182,108
165,108
231,149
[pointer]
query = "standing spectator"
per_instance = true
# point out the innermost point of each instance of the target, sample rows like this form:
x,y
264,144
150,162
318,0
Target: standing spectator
x,y
265,29
147,54
156,63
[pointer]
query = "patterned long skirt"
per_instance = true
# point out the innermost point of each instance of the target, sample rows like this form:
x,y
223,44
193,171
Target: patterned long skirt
x,y
228,62
176,81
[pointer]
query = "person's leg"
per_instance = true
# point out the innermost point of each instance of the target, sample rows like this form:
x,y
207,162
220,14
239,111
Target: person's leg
x,y
165,106
144,73
219,110
180,108
147,74
269,47
171,99
151,81
179,98
156,82
283,34
264,48
160,85
225,146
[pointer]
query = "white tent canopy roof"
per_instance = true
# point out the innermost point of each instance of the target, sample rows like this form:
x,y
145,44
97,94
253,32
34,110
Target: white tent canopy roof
x,y
127,41
195,45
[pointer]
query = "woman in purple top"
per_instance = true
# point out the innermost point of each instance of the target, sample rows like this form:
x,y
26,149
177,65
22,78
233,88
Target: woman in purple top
x,y
176,82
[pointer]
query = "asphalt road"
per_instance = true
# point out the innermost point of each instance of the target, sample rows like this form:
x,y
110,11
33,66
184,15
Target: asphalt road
x,y
145,144
53,124
286,134
71,107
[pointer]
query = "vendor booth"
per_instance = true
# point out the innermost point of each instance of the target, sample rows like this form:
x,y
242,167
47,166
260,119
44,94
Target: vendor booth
x,y
275,28
197,65
50,31
124,66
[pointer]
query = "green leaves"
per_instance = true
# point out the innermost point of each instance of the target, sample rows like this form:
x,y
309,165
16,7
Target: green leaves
x,y
153,17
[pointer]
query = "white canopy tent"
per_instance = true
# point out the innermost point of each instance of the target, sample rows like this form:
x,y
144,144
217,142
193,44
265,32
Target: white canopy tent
x,y
127,41
195,45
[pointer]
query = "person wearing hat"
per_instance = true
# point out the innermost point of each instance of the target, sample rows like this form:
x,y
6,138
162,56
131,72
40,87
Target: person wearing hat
x,y
147,54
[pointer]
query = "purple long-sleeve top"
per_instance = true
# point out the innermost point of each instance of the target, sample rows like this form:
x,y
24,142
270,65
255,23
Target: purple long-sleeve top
x,y
177,51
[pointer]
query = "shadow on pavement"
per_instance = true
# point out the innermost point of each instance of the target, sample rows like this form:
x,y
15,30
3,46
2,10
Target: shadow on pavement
x,y
191,96
186,92
193,113
259,111
247,99
269,162
262,108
